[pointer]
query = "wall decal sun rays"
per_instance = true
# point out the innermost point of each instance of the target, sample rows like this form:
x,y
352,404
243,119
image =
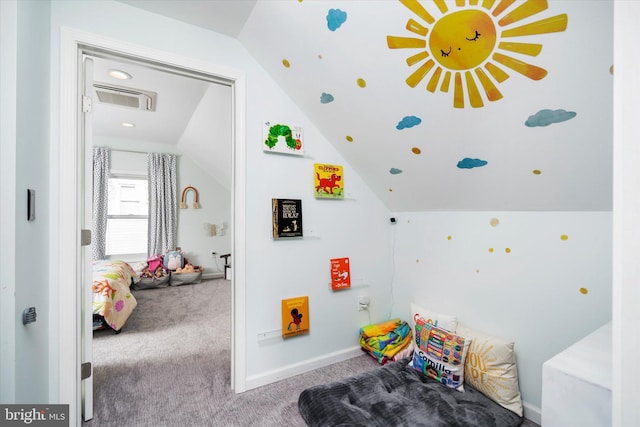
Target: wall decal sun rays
x,y
466,47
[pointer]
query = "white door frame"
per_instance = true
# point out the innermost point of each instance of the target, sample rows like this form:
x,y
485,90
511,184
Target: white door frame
x,y
70,180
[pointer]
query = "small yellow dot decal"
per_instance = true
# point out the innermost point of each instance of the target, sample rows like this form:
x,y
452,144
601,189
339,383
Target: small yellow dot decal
x,y
417,261
286,63
507,250
611,70
494,222
390,190
361,83
477,271
536,172
349,138
491,250
564,237
416,150
584,291
449,237
319,56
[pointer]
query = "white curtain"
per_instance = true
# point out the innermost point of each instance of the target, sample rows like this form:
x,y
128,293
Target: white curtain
x,y
100,201
163,224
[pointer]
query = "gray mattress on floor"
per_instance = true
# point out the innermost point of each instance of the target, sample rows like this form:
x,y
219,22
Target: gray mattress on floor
x,y
398,395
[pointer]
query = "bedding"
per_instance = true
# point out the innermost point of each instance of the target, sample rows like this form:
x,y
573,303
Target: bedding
x,y
398,395
112,297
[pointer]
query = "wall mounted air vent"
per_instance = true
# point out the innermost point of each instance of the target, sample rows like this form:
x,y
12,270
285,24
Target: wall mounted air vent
x,y
125,96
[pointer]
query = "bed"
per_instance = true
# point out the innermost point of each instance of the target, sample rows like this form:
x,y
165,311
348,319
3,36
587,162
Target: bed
x,y
113,301
398,395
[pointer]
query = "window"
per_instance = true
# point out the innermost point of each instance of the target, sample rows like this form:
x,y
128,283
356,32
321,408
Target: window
x,y
127,215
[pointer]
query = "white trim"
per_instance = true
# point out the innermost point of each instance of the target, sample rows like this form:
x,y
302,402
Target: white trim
x,y
8,78
532,413
69,201
302,367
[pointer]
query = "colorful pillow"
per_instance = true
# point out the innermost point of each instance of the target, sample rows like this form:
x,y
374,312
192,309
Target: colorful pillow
x,y
440,354
490,367
441,320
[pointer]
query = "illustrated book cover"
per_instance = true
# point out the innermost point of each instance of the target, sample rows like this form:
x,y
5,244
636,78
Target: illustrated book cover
x,y
340,274
282,138
329,182
295,316
286,217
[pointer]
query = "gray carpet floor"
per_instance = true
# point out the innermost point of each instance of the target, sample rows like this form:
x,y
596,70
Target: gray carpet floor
x,y
170,366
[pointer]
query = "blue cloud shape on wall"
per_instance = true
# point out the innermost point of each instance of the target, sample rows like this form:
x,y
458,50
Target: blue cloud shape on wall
x,y
335,18
408,122
468,163
395,171
548,117
326,98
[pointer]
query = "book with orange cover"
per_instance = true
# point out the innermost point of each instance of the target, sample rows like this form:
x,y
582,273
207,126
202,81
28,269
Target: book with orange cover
x,y
295,316
340,274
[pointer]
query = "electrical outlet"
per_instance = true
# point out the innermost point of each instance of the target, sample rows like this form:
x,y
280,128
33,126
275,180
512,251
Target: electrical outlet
x,y
363,303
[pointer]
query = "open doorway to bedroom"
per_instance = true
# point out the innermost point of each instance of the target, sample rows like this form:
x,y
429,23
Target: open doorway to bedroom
x,y
190,118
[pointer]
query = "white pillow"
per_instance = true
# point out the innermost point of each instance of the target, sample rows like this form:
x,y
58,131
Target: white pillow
x,y
490,367
441,320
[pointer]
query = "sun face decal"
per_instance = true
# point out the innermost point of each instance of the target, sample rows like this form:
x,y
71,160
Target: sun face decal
x,y
467,45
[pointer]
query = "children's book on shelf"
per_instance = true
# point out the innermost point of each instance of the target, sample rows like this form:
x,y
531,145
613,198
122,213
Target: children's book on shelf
x,y
295,316
340,274
329,181
279,137
286,217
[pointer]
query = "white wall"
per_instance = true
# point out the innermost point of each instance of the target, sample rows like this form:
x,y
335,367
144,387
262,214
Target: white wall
x,y
32,169
275,269
531,294
214,200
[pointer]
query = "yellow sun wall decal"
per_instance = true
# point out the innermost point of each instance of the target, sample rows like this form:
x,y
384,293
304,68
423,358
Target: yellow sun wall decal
x,y
469,47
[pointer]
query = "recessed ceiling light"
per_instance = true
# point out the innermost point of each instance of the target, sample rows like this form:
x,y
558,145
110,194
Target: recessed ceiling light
x,y
128,125
119,74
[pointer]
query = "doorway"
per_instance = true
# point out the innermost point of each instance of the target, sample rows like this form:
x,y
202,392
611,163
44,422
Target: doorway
x,y
71,163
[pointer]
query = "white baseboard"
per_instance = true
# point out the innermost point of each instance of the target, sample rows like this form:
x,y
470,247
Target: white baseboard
x,y
532,413
209,276
302,367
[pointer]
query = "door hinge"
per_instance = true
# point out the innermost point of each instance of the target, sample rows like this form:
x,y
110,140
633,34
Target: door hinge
x,y
85,237
85,370
86,104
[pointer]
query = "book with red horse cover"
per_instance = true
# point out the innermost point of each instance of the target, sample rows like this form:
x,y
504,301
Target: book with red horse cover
x,y
329,181
340,274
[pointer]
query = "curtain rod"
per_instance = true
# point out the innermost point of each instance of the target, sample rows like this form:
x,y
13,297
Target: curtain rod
x,y
139,152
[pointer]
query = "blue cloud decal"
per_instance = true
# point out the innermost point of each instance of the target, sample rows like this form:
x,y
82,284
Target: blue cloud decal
x,y
326,98
395,171
335,18
468,163
408,122
548,117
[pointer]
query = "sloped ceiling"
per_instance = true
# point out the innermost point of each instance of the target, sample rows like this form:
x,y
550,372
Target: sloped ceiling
x,y
452,105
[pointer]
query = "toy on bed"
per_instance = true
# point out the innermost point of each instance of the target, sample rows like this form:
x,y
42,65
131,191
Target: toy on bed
x,y
456,377
113,302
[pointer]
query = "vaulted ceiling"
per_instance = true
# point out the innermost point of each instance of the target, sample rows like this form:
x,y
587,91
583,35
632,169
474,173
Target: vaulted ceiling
x,y
443,105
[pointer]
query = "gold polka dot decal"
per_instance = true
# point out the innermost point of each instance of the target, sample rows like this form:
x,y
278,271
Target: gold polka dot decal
x,y
507,250
490,250
361,82
494,222
584,291
449,237
349,138
417,261
390,190
286,63
611,70
564,237
537,172
416,150
319,56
